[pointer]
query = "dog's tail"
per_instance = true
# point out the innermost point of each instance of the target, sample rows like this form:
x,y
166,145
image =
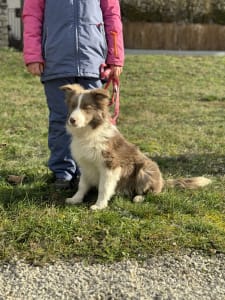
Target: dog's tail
x,y
188,183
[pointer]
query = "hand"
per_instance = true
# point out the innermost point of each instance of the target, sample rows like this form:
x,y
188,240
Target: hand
x,y
115,71
35,68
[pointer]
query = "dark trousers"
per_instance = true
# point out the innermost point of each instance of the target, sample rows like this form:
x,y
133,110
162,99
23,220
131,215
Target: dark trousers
x,y
60,161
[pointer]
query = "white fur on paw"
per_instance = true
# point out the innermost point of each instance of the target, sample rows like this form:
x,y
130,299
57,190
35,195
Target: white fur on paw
x,y
96,207
138,199
73,201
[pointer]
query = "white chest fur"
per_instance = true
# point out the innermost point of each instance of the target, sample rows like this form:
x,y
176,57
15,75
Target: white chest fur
x,y
86,148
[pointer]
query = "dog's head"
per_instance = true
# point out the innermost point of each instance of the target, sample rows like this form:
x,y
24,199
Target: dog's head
x,y
86,107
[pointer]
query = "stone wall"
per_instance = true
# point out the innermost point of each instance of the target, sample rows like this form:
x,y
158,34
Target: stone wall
x,y
3,24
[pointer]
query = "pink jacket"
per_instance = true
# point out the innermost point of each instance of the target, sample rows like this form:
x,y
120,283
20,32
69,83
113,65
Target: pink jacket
x,y
33,17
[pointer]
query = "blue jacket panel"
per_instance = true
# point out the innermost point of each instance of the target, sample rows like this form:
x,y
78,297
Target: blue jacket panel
x,y
74,41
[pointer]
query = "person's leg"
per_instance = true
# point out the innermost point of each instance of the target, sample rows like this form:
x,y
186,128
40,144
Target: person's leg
x,y
60,161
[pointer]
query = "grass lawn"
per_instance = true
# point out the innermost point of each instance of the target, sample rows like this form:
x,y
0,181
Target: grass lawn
x,y
171,107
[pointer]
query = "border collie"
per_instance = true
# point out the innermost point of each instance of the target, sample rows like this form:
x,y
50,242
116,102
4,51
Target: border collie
x,y
106,159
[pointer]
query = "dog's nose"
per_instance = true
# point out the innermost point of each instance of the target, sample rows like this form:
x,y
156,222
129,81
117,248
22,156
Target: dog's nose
x,y
72,121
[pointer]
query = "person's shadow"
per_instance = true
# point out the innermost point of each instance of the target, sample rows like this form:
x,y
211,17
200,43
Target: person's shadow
x,y
38,191
190,165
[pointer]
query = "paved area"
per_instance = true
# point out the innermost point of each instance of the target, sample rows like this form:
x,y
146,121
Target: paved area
x,y
174,52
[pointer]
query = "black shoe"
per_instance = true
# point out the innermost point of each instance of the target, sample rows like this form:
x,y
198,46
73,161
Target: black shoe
x,y
74,182
61,184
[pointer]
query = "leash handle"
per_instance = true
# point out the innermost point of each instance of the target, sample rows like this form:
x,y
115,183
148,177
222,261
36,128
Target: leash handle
x,y
104,72
115,100
105,76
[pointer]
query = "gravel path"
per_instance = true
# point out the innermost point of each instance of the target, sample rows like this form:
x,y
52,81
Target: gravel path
x,y
186,276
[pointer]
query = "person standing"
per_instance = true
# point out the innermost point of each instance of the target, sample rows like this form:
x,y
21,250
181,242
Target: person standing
x,y
65,42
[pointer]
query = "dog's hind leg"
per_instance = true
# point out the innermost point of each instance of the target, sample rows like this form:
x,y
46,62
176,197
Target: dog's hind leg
x,y
138,198
149,179
83,188
107,186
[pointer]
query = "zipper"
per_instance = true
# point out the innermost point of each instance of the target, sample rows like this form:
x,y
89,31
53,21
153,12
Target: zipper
x,y
76,15
45,42
101,29
115,44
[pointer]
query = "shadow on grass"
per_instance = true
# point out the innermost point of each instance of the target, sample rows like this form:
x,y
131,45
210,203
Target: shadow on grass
x,y
192,165
38,191
41,192
30,195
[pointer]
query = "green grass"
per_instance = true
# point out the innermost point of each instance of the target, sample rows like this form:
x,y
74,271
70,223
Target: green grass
x,y
172,108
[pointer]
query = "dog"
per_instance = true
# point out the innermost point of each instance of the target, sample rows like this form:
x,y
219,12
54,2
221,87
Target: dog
x,y
106,159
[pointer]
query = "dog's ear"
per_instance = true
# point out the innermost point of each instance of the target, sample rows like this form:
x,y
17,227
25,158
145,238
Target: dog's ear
x,y
100,93
100,96
72,88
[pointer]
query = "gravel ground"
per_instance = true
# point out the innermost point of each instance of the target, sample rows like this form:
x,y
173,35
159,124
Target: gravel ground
x,y
186,276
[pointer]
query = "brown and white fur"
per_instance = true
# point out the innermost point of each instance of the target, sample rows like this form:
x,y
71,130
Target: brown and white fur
x,y
107,161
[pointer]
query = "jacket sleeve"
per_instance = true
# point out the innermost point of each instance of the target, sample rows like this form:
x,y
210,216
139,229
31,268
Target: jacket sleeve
x,y
33,13
114,31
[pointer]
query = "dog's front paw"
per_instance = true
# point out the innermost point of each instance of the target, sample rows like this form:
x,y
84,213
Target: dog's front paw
x,y
73,200
97,207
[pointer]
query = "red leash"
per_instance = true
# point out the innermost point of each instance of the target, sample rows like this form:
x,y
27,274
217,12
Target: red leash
x,y
115,100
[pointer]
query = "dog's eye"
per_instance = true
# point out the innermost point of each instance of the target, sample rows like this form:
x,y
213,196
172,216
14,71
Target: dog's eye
x,y
72,104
